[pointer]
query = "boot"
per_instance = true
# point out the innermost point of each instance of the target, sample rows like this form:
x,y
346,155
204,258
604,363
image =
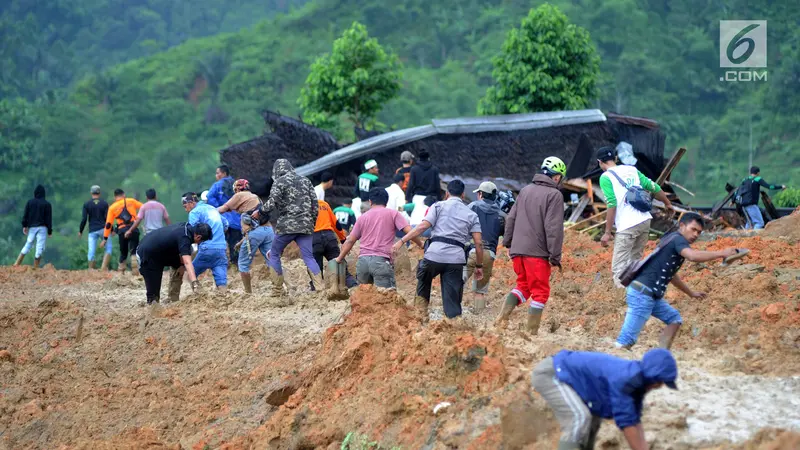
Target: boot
x,y
479,303
122,265
534,319
135,265
335,282
222,289
19,259
92,265
106,262
277,283
175,281
246,282
421,307
508,308
318,281
36,262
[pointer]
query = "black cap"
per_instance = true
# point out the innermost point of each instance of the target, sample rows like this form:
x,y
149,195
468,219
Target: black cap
x,y
606,154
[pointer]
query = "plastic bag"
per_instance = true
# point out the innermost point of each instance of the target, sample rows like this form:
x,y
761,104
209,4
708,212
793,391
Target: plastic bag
x,y
625,153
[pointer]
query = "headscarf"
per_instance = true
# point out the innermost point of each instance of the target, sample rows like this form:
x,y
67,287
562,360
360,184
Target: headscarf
x,y
241,185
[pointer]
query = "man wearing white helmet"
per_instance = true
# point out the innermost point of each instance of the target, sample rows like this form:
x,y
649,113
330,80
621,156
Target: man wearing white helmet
x,y
534,234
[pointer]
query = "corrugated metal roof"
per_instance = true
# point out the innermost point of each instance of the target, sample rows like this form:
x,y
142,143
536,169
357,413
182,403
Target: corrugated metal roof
x,y
461,125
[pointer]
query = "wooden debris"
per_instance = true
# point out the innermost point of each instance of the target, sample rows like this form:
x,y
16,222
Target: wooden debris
x,y
671,164
586,220
578,210
672,183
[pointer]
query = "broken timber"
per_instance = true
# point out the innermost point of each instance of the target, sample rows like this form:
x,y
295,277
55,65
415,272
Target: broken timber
x,y
576,213
673,162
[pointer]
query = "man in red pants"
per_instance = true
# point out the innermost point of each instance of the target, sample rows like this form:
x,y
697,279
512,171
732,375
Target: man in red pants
x,y
534,234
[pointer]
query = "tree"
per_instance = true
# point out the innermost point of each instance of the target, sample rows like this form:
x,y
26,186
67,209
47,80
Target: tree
x,y
214,68
356,79
547,64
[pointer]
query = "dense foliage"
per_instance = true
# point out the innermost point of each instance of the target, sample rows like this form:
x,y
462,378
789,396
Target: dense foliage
x,y
95,114
356,79
788,198
547,64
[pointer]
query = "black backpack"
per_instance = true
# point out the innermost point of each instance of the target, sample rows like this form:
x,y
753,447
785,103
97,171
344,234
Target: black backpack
x,y
640,199
125,216
227,187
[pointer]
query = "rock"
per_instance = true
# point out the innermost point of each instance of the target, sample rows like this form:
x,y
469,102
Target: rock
x,y
787,276
6,355
773,312
31,408
747,271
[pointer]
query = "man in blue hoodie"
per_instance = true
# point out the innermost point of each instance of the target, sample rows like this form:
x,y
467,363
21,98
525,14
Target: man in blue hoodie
x,y
222,191
583,388
211,253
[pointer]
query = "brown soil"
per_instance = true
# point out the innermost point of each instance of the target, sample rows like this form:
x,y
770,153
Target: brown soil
x,y
84,367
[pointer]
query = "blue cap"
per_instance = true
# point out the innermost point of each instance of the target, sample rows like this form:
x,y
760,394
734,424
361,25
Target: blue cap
x,y
658,365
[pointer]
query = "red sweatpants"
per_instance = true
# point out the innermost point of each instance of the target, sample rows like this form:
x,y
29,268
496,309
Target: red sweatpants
x,y
533,280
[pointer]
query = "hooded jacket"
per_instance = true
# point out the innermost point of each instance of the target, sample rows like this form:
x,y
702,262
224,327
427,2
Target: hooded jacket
x,y
535,225
424,180
613,387
293,199
38,212
492,222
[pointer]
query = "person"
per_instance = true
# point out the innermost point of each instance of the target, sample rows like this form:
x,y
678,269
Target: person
x,y
95,212
534,235
345,216
583,388
492,221
633,225
153,214
423,180
170,246
407,159
211,253
645,295
748,195
452,223
294,201
121,216
366,181
219,194
326,183
257,232
37,224
397,198
325,240
376,229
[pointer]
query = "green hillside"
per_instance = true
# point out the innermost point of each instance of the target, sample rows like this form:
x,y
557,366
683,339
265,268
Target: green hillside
x,y
150,121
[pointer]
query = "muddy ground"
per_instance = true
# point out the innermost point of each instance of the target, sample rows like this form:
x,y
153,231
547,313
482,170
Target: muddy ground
x,y
84,367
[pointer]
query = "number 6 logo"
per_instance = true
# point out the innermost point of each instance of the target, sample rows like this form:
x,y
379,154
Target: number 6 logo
x,y
743,43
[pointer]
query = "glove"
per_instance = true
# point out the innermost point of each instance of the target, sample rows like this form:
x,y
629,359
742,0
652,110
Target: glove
x,y
195,286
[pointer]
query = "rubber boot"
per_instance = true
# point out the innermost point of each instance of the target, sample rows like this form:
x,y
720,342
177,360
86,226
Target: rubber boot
x,y
122,266
335,282
135,265
534,319
421,307
277,283
248,288
92,265
318,281
106,262
508,308
479,303
222,289
175,281
36,262
20,258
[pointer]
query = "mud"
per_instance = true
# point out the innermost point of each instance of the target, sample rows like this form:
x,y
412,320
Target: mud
x,y
83,366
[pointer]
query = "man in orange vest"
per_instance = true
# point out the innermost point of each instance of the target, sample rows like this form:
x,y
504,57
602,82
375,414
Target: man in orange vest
x,y
121,215
327,235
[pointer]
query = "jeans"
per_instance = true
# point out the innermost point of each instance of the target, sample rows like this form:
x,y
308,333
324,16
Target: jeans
x,y
259,239
304,241
214,259
94,238
452,280
40,235
232,237
640,307
375,270
755,221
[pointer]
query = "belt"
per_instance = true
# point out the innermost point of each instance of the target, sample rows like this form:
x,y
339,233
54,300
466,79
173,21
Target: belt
x,y
638,286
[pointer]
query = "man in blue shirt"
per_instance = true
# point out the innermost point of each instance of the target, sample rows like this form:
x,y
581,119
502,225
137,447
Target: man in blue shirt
x,y
222,191
211,253
583,388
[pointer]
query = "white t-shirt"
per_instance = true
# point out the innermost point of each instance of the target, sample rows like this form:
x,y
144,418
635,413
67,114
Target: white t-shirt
x,y
320,192
627,216
397,198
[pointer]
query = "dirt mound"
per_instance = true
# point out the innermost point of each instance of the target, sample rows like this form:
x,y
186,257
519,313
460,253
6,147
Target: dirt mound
x,y
787,227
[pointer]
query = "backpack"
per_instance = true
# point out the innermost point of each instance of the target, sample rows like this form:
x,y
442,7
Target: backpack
x,y
637,196
635,268
125,216
227,187
744,193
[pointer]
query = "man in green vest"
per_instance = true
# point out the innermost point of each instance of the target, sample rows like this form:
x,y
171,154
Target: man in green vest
x,y
748,195
365,182
345,216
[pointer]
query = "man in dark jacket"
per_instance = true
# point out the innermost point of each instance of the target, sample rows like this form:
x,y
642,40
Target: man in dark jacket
x,y
95,212
748,195
534,235
222,191
37,223
492,221
583,388
295,203
423,181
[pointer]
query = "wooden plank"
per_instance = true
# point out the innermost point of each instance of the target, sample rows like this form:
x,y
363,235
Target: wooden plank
x,y
671,183
715,211
576,213
590,191
593,226
768,206
671,164
587,220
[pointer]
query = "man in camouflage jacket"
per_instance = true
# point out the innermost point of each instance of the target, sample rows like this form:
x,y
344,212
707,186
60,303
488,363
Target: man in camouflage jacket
x,y
295,203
